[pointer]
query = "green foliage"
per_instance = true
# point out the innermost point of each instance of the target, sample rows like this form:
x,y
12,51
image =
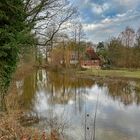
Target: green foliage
x,y
121,56
114,51
100,46
123,51
14,35
102,51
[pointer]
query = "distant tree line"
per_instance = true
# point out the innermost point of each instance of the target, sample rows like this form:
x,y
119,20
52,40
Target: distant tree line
x,y
122,51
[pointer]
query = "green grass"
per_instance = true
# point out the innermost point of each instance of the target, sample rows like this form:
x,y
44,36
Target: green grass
x,y
112,73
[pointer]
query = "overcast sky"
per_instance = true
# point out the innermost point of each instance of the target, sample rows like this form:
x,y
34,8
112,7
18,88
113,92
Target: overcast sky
x,y
103,19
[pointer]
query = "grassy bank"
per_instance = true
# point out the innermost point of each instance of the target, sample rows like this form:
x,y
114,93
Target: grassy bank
x,y
112,73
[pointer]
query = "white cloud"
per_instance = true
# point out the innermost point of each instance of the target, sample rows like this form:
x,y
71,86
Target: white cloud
x,y
127,3
106,6
98,9
102,20
107,22
109,27
121,15
86,1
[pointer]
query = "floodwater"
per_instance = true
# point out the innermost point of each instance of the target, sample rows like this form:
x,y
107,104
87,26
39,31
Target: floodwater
x,y
80,108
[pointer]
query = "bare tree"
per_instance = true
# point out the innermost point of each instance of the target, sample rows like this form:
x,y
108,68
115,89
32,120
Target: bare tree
x,y
138,38
81,35
48,17
38,10
127,37
77,35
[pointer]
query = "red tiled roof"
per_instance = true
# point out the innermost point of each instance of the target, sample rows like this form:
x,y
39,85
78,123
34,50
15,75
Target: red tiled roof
x,y
91,54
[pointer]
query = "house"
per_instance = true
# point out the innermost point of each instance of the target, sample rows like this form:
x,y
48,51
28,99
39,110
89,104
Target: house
x,y
90,59
74,58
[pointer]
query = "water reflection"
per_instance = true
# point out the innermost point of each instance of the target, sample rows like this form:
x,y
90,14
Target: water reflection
x,y
68,104
124,91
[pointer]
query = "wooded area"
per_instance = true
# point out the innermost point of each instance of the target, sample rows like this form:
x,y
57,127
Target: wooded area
x,y
26,24
122,51
48,64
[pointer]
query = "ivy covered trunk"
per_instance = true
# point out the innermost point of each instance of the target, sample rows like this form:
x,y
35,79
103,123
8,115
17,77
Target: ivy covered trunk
x,y
14,35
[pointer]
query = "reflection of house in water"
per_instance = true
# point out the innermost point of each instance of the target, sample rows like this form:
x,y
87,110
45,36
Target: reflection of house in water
x,y
90,59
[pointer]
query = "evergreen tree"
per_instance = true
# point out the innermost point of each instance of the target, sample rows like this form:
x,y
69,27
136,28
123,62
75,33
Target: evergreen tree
x,y
14,35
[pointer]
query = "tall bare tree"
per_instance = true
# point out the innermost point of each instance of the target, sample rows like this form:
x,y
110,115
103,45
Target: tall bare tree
x,y
127,37
81,36
138,38
77,34
48,17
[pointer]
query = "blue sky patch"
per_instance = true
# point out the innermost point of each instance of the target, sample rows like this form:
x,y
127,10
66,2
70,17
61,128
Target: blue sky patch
x,y
103,19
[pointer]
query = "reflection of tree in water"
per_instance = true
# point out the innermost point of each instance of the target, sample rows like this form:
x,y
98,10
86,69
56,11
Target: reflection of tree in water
x,y
68,80
124,91
64,88
29,89
22,92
